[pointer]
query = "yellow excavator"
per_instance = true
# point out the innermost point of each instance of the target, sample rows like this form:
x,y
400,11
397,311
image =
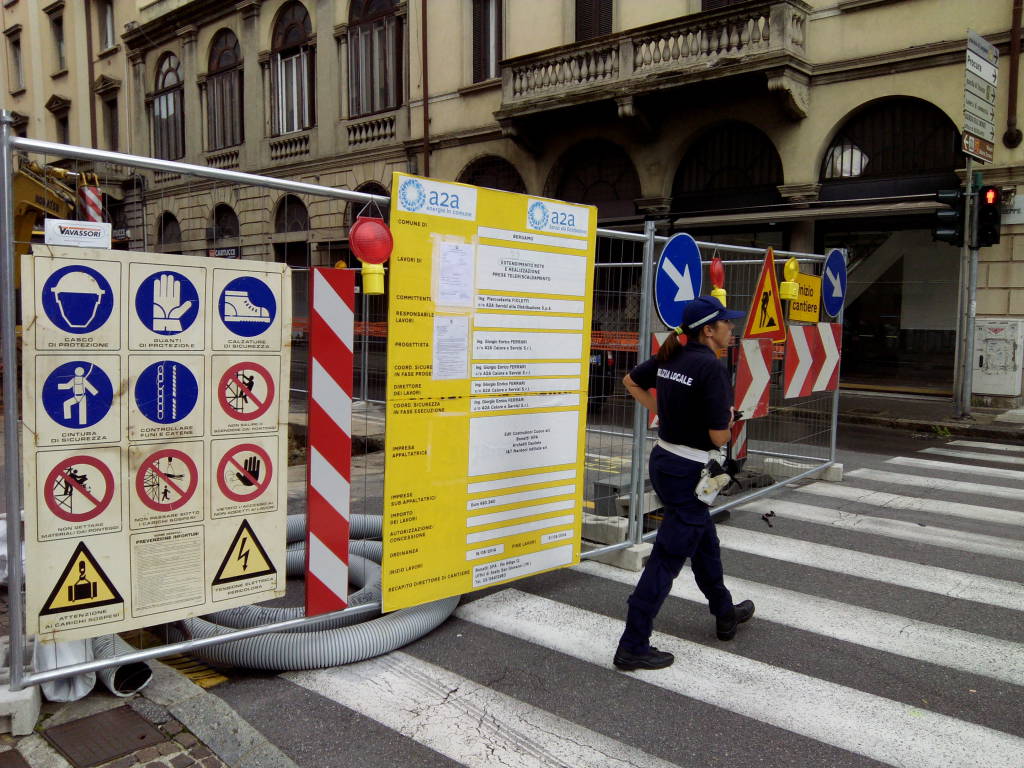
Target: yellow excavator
x,y
41,190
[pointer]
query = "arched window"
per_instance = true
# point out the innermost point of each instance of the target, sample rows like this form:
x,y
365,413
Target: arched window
x,y
291,215
225,222
168,231
168,117
493,172
893,146
732,165
224,91
599,173
354,209
292,75
375,56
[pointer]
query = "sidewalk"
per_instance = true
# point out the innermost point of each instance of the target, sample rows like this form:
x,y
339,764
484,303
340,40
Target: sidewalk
x,y
184,725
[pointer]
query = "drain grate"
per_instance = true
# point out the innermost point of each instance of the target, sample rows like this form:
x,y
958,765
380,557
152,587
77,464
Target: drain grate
x,y
97,739
13,759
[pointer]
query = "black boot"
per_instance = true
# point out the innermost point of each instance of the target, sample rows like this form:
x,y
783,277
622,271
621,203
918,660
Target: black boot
x,y
653,659
726,625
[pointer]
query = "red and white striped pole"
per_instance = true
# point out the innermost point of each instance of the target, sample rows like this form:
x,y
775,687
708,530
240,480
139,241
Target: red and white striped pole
x,y
90,202
329,432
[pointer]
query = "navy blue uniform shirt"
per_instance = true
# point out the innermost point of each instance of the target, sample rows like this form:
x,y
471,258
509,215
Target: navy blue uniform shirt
x,y
694,394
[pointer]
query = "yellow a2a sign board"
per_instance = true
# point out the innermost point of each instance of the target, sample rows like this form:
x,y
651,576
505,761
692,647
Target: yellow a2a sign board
x,y
488,344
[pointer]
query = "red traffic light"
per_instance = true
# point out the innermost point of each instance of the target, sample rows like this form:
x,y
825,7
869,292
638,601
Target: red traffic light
x,y
991,195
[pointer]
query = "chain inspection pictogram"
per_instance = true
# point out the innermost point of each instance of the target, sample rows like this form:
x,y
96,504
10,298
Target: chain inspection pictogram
x,y
166,392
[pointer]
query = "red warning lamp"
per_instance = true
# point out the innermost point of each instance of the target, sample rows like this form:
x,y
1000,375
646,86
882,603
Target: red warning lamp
x,y
717,273
370,240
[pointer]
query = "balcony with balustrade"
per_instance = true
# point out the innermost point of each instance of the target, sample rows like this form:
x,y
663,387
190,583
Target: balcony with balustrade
x,y
758,38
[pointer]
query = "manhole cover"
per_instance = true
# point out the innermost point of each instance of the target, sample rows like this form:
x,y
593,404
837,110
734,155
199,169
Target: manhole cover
x,y
99,738
13,759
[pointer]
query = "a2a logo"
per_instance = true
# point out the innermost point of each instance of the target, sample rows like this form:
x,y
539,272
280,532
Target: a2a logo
x,y
443,200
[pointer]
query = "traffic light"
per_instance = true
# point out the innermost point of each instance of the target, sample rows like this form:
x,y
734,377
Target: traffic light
x,y
990,213
949,222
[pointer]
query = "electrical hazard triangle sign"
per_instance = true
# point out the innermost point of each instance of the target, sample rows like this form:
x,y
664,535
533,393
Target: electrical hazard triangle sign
x,y
82,584
246,558
764,320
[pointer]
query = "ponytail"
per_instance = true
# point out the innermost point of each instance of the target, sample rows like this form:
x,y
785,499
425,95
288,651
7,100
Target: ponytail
x,y
672,344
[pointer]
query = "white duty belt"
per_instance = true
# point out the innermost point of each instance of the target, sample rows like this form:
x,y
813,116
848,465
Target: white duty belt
x,y
686,452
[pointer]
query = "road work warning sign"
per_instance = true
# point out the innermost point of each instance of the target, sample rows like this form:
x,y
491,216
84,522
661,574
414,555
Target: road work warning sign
x,y
151,425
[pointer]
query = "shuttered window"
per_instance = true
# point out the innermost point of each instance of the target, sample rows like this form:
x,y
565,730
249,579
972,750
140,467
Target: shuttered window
x,y
292,72
375,57
593,18
224,92
486,39
168,116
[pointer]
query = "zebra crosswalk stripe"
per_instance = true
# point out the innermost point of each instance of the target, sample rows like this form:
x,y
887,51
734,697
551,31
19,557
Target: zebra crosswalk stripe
x,y
989,446
925,578
937,484
975,456
464,720
895,529
915,504
953,648
869,725
932,465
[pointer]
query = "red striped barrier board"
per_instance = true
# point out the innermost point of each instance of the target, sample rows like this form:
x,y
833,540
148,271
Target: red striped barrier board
x,y
753,375
657,339
91,202
812,359
329,433
738,440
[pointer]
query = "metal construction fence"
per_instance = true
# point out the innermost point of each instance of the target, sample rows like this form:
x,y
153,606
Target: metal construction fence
x,y
799,433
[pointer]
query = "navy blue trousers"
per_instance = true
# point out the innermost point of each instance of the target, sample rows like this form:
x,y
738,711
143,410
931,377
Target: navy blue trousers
x,y
686,531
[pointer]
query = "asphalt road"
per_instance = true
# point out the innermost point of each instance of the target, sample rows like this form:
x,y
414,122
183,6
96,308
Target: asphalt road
x,y
889,631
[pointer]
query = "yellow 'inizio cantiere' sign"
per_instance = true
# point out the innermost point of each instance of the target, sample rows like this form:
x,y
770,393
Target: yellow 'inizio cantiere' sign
x,y
488,344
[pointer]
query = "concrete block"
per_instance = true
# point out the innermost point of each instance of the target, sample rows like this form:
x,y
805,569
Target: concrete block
x,y
604,529
782,469
608,489
19,710
630,559
651,503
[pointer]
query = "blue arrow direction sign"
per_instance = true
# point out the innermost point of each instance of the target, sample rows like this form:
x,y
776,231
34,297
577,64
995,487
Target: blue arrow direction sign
x,y
678,278
833,283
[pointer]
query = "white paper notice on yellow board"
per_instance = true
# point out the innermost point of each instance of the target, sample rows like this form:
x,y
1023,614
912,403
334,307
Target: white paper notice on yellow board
x,y
455,275
451,346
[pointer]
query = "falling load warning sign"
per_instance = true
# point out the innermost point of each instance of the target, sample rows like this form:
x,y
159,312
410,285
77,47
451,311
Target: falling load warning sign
x,y
245,567
81,585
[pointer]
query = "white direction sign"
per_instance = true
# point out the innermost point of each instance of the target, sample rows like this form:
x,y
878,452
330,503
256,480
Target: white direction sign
x,y
980,78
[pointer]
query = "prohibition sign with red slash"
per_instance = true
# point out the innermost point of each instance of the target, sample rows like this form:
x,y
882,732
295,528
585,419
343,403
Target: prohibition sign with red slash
x,y
158,485
235,391
64,482
244,472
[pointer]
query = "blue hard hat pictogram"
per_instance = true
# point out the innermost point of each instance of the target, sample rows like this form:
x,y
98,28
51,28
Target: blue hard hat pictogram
x,y
166,392
77,299
78,394
247,306
167,303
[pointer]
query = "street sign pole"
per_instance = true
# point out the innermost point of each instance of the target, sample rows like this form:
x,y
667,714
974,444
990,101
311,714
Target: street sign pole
x,y
971,243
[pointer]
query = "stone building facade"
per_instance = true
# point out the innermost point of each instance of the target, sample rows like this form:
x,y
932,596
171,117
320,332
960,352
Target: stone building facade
x,y
798,124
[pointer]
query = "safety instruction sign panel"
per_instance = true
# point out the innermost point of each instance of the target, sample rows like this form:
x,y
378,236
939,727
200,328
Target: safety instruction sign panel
x,y
488,352
155,431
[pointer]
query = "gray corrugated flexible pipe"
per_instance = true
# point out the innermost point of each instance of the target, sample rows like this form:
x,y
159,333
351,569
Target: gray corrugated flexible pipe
x,y
359,527
125,679
342,642
281,651
363,573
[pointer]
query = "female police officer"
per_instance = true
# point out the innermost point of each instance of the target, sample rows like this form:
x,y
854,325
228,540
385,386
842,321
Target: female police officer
x,y
694,406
